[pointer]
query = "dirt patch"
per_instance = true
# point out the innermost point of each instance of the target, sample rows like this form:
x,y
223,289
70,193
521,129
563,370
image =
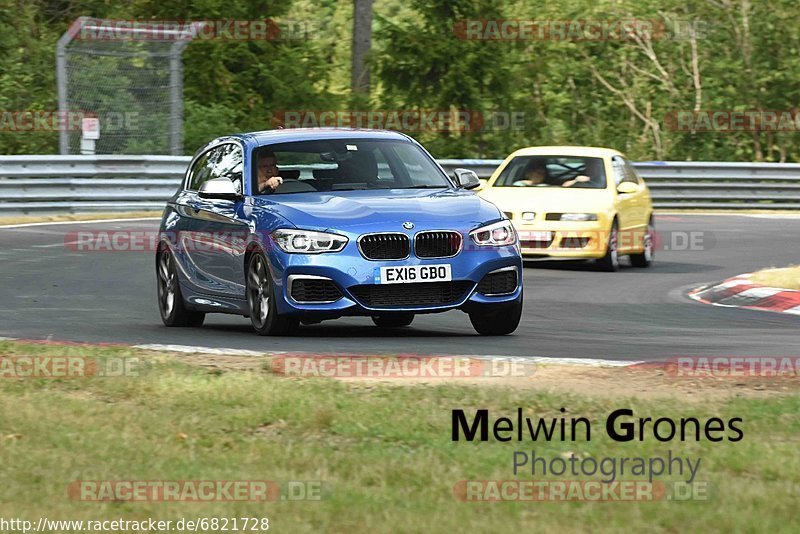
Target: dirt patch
x,y
646,382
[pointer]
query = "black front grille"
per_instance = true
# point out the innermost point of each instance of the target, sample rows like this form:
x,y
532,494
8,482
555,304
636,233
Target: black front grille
x,y
574,242
313,290
384,246
408,295
498,283
531,243
437,244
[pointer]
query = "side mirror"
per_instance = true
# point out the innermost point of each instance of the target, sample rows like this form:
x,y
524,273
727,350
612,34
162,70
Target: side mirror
x,y
627,188
219,188
467,179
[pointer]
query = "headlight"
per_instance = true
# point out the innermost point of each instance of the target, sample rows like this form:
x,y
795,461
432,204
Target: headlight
x,y
308,241
495,235
578,216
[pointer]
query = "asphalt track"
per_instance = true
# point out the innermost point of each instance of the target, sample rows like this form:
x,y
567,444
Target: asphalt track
x,y
50,291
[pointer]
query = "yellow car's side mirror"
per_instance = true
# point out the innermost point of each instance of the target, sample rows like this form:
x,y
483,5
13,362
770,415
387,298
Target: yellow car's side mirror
x,y
627,188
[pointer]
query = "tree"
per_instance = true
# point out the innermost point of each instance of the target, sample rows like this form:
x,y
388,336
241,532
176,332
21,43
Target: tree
x,y
362,41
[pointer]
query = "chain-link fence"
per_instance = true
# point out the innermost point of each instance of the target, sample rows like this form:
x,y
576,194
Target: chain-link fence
x,y
130,78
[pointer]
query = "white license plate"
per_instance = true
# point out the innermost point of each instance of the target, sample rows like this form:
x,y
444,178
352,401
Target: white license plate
x,y
535,236
409,274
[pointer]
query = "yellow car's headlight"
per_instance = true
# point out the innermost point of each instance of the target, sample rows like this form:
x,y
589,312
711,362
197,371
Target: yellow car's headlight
x,y
578,216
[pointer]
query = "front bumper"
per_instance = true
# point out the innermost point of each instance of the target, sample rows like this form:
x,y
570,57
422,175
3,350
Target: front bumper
x,y
348,268
567,239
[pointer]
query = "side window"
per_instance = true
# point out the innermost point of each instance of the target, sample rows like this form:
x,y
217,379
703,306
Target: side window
x,y
227,163
623,171
199,172
618,167
632,172
223,161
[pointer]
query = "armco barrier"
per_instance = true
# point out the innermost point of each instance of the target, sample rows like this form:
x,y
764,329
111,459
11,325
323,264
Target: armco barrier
x,y
42,184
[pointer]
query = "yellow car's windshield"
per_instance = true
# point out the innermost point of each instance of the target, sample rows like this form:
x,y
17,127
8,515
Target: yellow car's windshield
x,y
554,171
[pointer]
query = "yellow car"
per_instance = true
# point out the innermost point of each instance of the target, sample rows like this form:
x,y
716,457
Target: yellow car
x,y
575,203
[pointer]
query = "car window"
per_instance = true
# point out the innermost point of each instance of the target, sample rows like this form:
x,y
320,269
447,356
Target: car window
x,y
620,172
631,173
350,164
223,161
553,171
624,171
414,165
200,172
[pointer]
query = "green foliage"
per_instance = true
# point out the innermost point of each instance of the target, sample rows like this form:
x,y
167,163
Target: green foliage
x,y
616,93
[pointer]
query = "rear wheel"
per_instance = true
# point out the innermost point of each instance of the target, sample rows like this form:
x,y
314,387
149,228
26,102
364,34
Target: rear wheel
x,y
610,262
496,320
648,254
170,301
394,320
261,300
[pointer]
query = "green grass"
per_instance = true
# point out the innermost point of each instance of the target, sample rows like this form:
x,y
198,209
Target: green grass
x,y
382,451
785,277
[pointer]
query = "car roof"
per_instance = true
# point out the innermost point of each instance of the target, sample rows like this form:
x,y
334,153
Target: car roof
x,y
586,151
285,135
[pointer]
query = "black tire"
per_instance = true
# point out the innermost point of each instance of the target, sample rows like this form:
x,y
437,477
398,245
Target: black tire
x,y
497,321
610,262
260,291
646,258
171,306
395,320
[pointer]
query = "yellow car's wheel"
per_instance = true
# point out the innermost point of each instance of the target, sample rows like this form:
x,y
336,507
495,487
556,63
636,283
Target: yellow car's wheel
x,y
648,254
610,262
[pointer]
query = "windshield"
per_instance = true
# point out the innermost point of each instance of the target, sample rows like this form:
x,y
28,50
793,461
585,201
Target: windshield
x,y
553,171
343,165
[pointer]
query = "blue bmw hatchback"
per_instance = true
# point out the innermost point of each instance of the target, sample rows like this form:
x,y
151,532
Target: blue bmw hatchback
x,y
299,226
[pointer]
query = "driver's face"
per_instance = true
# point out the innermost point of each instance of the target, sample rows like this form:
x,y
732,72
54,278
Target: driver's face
x,y
535,175
267,167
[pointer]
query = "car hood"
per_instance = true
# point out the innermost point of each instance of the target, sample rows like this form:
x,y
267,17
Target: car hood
x,y
549,199
380,210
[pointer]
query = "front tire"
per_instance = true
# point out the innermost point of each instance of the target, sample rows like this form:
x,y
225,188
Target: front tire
x,y
497,321
394,320
610,262
171,306
648,254
261,300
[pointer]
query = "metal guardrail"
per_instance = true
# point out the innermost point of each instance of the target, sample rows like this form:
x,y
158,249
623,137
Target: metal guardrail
x,y
64,184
